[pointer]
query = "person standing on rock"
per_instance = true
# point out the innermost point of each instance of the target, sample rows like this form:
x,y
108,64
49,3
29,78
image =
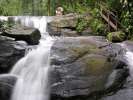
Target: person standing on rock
x,y
59,11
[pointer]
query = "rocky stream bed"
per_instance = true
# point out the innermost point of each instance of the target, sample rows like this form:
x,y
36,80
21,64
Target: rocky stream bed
x,y
82,68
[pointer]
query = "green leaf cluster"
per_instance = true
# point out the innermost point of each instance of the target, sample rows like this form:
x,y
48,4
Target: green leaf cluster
x,y
98,27
5,25
81,24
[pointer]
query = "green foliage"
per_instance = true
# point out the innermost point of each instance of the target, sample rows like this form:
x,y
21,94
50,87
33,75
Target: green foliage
x,y
95,12
68,9
113,4
23,7
76,8
5,25
124,10
98,26
42,7
127,21
10,7
81,24
81,9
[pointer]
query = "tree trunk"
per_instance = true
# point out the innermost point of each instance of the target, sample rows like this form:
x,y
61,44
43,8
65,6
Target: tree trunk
x,y
49,7
33,7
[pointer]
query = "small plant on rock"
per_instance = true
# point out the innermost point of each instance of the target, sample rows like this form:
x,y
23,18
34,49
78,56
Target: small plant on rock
x,y
81,24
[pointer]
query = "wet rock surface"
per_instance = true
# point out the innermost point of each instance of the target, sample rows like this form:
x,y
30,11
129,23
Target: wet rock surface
x,y
10,53
82,68
6,85
125,93
128,44
85,66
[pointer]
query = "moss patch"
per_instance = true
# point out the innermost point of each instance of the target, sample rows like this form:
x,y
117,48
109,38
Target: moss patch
x,y
79,51
116,36
98,68
97,64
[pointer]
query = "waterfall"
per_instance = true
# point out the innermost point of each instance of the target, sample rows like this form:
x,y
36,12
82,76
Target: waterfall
x,y
32,70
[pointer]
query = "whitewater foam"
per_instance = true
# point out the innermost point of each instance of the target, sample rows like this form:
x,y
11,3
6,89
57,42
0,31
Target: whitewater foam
x,y
33,69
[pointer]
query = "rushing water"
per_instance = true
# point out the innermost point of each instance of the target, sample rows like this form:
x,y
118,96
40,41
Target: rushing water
x,y
129,58
32,70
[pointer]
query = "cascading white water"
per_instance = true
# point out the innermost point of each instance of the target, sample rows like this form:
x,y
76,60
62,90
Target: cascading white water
x,y
129,58
32,70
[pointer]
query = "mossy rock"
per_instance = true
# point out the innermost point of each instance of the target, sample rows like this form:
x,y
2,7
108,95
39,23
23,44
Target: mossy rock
x,y
97,64
81,66
118,36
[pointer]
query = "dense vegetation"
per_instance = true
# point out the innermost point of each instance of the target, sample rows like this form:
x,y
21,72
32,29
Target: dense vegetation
x,y
121,10
23,7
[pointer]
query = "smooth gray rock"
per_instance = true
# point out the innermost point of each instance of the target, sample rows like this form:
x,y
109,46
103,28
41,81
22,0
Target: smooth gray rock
x,y
81,66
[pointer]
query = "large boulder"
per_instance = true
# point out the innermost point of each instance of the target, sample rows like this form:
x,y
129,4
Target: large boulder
x,y
10,53
84,66
66,25
28,34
